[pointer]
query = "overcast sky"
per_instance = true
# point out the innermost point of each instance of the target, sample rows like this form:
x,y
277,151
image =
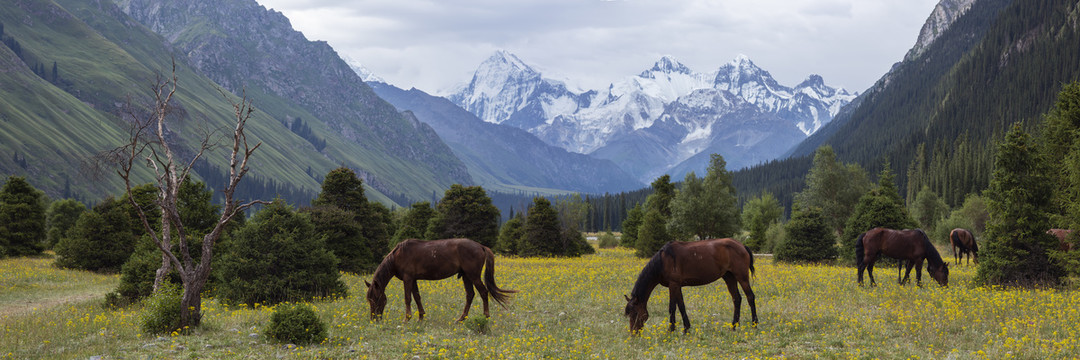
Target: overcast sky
x,y
435,44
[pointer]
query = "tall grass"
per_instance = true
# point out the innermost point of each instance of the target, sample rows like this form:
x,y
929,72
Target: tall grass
x,y
572,308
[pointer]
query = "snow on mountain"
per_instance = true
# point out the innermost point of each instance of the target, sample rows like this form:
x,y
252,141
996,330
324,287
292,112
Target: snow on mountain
x,y
362,71
506,90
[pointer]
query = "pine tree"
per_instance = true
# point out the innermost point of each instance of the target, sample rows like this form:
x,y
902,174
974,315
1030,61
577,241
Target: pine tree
x,y
415,223
61,217
652,234
879,207
343,190
630,227
466,212
705,208
542,233
22,218
809,238
1019,200
833,187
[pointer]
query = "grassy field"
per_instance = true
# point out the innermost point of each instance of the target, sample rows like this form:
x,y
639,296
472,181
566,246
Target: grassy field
x,y
571,308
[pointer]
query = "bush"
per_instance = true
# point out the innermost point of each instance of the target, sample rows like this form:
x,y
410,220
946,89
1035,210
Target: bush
x,y
278,257
161,311
608,240
774,236
809,238
101,240
478,324
296,324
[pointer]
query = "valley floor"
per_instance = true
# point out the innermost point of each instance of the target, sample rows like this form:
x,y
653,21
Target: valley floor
x,y
571,308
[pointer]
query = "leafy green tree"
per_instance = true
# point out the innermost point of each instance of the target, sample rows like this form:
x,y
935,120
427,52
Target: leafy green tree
x,y
808,238
572,211
705,208
928,209
542,233
343,237
758,214
277,257
833,187
630,227
510,236
101,240
61,217
972,215
22,218
652,234
466,212
1019,200
879,207
415,222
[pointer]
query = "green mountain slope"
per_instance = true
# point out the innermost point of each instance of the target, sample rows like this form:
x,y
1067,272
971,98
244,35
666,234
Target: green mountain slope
x,y
105,59
936,116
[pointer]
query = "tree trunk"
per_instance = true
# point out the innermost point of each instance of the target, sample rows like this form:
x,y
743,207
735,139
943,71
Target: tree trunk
x,y
191,302
162,272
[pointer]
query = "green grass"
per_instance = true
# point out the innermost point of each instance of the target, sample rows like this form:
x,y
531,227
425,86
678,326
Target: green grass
x,y
572,308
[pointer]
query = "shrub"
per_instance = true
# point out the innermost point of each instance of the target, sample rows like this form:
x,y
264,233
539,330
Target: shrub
x,y
295,324
161,311
101,240
608,240
510,236
478,324
809,238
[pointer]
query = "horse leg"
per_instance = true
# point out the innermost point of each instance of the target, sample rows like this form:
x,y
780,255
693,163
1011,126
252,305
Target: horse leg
x,y
736,299
416,294
675,295
870,271
907,274
468,299
483,290
899,269
861,268
745,282
918,273
409,284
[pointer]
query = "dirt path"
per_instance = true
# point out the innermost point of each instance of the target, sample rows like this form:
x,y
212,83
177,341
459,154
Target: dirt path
x,y
24,307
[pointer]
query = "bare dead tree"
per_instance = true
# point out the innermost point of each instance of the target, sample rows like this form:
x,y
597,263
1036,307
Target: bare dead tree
x,y
147,145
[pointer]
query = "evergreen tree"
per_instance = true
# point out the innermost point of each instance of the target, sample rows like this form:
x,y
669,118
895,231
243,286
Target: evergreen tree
x,y
466,212
652,234
833,187
630,227
510,236
758,214
344,237
342,189
59,218
22,218
277,257
542,233
415,222
663,193
1019,200
101,240
367,229
879,207
809,238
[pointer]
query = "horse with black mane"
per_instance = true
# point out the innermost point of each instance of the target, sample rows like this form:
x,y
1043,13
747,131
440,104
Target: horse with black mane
x,y
696,263
910,246
413,260
962,242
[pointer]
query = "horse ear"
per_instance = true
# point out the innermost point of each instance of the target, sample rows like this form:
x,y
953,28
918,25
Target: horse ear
x,y
627,297
367,283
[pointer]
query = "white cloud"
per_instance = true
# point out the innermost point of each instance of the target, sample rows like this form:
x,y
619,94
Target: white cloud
x,y
432,44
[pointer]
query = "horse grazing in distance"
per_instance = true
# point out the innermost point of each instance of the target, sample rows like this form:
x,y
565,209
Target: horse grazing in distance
x,y
696,263
911,246
1061,235
413,260
962,242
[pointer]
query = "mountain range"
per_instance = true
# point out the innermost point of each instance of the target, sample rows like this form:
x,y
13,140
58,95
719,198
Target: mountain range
x,y
666,119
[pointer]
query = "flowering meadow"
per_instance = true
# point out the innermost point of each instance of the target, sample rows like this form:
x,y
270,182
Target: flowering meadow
x,y
571,308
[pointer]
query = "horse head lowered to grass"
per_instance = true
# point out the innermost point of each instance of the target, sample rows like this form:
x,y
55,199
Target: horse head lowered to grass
x,y
696,263
413,260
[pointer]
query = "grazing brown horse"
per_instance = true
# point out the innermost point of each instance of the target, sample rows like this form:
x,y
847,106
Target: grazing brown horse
x,y
413,260
1061,235
962,242
911,246
679,264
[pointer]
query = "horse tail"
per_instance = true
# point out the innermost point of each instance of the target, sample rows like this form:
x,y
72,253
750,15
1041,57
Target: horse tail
x,y
748,251
859,250
501,296
955,239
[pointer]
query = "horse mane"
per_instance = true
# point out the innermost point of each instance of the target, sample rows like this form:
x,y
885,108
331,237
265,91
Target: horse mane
x,y
384,272
933,257
652,270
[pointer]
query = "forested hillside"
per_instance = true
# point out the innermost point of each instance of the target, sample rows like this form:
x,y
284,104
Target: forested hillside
x,y
936,117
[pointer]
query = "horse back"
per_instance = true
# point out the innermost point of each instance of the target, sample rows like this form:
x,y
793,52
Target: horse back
x,y
439,259
702,262
897,244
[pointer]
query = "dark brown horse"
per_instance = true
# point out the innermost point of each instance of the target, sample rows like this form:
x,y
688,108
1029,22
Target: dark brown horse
x,y
679,264
1061,235
962,242
413,260
911,246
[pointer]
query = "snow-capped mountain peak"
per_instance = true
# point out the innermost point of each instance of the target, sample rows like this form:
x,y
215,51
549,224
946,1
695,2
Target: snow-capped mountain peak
x,y
667,64
363,72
